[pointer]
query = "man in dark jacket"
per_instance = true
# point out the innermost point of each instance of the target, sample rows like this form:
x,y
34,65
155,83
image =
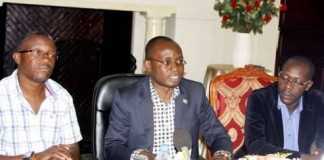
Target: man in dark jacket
x,y
287,116
145,116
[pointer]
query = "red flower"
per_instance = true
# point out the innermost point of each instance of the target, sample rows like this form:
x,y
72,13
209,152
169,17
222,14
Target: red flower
x,y
248,8
283,7
267,18
257,3
225,18
234,3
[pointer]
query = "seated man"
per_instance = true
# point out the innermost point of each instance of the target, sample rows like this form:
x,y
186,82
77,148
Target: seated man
x,y
286,116
37,115
145,115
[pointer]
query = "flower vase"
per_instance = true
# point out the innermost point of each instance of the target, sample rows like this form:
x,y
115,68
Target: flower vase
x,y
242,49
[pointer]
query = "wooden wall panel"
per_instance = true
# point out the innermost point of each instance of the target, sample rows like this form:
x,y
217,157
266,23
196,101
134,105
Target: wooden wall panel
x,y
90,43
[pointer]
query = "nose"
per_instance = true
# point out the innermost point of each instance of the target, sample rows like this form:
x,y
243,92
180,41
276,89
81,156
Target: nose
x,y
48,59
48,55
289,85
174,66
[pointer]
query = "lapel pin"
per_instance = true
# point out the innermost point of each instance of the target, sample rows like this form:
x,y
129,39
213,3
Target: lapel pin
x,y
185,101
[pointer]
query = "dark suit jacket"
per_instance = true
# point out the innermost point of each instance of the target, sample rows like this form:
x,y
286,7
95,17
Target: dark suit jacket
x,y
131,120
263,124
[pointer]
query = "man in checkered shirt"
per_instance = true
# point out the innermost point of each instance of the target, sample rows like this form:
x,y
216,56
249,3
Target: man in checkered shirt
x,y
146,115
37,115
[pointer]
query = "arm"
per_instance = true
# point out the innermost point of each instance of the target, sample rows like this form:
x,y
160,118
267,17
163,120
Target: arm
x,y
70,135
2,157
211,128
319,136
255,126
74,151
116,137
60,152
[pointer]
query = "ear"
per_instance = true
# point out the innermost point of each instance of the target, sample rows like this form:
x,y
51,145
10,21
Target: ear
x,y
147,67
309,85
16,57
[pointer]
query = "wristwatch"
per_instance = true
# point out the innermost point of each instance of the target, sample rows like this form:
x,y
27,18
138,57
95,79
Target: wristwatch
x,y
226,154
28,156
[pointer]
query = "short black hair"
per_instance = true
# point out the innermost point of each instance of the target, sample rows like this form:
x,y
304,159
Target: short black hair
x,y
302,60
30,34
152,42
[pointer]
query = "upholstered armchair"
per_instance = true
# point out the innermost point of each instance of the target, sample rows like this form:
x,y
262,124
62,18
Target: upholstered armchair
x,y
228,94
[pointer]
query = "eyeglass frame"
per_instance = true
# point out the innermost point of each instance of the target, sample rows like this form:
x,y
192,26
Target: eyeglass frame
x,y
168,62
37,53
293,81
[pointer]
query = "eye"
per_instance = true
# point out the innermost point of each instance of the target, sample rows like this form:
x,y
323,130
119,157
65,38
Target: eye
x,y
181,62
167,62
283,76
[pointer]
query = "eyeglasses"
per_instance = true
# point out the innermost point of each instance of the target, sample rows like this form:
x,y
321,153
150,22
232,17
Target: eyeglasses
x,y
294,81
168,62
37,53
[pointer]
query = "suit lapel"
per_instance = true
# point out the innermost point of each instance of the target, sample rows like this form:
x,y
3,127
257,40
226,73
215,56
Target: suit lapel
x,y
305,123
145,111
181,105
278,126
276,117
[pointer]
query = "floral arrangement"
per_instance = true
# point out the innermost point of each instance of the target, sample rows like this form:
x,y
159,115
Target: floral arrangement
x,y
247,15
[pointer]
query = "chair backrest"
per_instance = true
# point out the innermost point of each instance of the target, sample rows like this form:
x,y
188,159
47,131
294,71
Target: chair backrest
x,y
214,70
228,95
101,103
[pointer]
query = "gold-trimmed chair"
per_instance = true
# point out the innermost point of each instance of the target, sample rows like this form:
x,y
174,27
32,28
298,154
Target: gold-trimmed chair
x,y
228,94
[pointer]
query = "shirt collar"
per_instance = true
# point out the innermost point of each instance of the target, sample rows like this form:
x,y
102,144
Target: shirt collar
x,y
48,89
175,92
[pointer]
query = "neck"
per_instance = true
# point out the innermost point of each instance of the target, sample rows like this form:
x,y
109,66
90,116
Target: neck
x,y
292,107
33,92
164,93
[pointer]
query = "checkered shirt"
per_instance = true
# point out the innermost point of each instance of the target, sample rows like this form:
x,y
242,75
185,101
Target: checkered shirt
x,y
163,121
23,131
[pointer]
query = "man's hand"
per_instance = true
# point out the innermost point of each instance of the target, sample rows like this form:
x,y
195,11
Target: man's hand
x,y
57,152
316,151
147,154
222,155
310,157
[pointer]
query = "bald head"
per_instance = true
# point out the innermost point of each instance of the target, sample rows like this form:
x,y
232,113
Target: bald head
x,y
156,41
30,37
302,62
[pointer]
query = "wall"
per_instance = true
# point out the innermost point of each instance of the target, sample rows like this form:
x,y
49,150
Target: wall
x,y
196,27
198,31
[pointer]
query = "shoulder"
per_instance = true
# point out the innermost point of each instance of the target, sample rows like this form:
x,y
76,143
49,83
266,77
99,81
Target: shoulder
x,y
6,82
57,90
263,98
315,93
314,96
190,84
8,92
135,89
266,92
8,86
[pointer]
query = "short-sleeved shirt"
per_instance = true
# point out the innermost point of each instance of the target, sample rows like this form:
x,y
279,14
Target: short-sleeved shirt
x,y
23,131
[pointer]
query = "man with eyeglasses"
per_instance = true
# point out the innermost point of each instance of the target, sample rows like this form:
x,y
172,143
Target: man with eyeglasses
x,y
146,115
287,116
37,115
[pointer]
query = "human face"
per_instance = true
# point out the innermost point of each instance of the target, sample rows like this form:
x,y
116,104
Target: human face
x,y
165,65
293,81
36,58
